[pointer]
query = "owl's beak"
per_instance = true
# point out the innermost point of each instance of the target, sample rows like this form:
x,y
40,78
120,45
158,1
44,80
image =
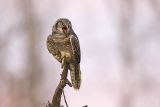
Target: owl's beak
x,y
65,29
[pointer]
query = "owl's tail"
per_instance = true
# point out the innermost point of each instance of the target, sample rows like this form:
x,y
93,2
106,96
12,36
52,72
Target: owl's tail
x,y
76,76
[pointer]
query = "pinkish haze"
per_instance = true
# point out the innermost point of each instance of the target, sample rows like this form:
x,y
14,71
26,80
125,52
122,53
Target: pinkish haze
x,y
120,47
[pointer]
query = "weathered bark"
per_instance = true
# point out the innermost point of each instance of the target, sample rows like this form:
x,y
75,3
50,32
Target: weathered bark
x,y
58,92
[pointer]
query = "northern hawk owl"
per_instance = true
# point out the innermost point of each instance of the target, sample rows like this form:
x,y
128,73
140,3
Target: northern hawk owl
x,y
64,43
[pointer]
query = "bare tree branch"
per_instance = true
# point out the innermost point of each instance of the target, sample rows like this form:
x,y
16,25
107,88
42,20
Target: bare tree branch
x,y
58,92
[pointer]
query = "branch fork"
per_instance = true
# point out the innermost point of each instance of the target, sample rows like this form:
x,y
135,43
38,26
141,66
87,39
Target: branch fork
x,y
60,88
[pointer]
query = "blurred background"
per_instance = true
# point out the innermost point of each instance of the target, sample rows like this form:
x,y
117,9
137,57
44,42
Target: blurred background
x,y
120,46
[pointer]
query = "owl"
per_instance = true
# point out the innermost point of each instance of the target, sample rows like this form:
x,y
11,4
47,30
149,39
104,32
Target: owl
x,y
63,44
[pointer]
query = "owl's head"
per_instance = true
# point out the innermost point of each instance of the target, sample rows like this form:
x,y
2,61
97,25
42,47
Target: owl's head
x,y
62,26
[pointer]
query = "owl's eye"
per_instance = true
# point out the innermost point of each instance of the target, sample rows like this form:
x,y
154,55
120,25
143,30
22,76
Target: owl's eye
x,y
60,24
69,24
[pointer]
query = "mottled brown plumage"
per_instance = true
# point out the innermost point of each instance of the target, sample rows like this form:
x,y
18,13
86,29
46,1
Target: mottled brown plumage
x,y
63,44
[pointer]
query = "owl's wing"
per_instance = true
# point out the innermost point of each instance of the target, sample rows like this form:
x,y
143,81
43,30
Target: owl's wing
x,y
53,49
75,48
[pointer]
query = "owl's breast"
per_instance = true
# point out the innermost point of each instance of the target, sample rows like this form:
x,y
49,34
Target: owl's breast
x,y
63,44
66,51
